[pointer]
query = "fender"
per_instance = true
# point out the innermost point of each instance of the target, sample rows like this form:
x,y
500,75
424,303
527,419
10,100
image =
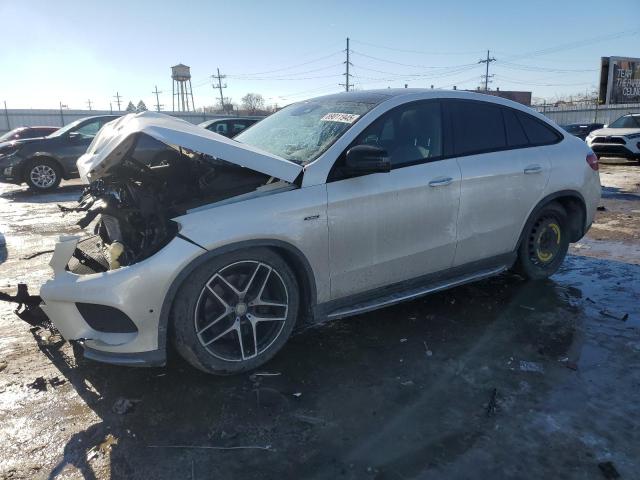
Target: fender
x,y
549,198
308,290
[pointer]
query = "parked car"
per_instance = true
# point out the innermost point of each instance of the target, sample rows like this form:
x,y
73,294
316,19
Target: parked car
x,y
619,139
581,130
27,132
42,163
229,127
329,208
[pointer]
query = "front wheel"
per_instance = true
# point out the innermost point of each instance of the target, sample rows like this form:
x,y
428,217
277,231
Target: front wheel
x,y
43,175
544,244
236,311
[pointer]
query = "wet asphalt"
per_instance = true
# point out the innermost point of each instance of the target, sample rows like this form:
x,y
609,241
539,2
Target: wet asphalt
x,y
497,379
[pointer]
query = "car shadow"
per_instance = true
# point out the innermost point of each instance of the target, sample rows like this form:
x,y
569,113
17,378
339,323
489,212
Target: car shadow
x,y
4,253
65,193
359,381
619,194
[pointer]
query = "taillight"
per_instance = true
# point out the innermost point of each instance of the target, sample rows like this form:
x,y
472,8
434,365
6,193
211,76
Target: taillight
x,y
592,160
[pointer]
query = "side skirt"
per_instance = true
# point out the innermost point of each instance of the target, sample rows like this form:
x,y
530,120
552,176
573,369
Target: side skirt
x,y
412,289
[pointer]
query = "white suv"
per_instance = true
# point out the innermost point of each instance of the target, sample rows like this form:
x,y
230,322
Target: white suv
x,y
330,207
620,139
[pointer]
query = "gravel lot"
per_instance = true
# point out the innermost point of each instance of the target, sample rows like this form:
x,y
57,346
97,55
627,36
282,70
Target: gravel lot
x,y
498,379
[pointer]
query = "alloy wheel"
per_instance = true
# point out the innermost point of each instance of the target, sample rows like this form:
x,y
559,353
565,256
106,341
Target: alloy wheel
x,y
241,310
43,176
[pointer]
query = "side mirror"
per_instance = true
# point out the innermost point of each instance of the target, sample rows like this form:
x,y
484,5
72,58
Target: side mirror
x,y
364,159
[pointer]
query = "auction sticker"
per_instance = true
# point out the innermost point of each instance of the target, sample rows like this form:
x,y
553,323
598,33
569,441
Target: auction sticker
x,y
340,117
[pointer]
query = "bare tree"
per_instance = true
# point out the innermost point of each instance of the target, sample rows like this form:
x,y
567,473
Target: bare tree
x,y
253,102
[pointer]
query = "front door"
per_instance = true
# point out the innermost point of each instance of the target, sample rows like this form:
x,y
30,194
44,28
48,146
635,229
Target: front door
x,y
385,228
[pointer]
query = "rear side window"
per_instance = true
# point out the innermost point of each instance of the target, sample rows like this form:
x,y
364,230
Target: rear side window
x,y
513,129
537,132
477,127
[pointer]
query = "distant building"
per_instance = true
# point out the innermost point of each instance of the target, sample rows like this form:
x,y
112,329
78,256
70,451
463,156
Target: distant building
x,y
517,96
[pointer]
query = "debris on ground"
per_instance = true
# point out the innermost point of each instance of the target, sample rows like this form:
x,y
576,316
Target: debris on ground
x,y
531,367
492,406
3,365
407,383
254,377
608,470
569,364
403,340
39,384
606,313
426,348
297,394
308,419
602,208
527,307
123,405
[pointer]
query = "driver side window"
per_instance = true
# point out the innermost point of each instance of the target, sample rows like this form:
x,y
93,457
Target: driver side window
x,y
90,129
410,134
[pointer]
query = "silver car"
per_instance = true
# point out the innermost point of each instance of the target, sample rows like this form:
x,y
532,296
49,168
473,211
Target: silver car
x,y
331,207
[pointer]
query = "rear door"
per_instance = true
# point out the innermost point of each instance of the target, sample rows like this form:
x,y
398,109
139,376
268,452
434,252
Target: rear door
x,y
503,177
389,227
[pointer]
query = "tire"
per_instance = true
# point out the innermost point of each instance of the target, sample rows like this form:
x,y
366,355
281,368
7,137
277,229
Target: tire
x,y
43,175
545,242
262,300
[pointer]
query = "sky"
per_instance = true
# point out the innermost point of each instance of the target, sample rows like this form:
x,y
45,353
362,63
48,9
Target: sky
x,y
73,51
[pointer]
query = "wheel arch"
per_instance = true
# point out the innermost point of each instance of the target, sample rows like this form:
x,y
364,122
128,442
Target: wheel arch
x,y
573,202
291,254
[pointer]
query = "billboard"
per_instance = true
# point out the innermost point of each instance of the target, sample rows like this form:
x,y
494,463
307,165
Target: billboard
x,y
619,80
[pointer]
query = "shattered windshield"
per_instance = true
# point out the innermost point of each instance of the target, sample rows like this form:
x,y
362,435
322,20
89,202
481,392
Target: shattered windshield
x,y
303,131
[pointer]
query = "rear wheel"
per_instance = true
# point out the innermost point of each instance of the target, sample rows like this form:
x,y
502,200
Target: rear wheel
x,y
236,311
43,175
544,244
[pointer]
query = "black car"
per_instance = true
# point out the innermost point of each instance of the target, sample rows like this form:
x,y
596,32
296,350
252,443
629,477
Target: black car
x,y
229,127
27,132
581,130
42,163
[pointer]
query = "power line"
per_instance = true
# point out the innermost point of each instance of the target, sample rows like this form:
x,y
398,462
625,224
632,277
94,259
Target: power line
x,y
421,52
289,67
404,64
486,76
279,77
158,105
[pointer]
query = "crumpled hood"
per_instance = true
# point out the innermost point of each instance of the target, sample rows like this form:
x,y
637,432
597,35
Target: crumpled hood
x,y
116,138
614,132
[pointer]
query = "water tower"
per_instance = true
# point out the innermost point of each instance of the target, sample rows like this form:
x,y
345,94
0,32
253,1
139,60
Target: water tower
x,y
181,75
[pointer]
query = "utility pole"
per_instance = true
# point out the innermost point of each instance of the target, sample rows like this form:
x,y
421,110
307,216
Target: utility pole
x,y
486,76
89,104
61,114
117,97
158,99
111,108
219,86
347,75
6,115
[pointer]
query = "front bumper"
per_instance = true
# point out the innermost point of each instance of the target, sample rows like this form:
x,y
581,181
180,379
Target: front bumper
x,y
616,147
11,172
138,291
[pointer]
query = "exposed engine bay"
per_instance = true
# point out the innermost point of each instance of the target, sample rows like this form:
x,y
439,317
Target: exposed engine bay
x,y
130,209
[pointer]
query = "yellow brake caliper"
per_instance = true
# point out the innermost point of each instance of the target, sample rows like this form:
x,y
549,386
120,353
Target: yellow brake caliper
x,y
546,256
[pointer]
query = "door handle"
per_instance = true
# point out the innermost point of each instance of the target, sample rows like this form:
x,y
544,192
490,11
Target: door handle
x,y
532,169
441,181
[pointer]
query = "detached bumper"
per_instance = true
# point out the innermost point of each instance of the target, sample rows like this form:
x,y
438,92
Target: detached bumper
x,y
115,314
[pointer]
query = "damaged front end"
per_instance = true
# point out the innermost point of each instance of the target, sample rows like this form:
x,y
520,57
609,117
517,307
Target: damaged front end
x,y
143,171
130,208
